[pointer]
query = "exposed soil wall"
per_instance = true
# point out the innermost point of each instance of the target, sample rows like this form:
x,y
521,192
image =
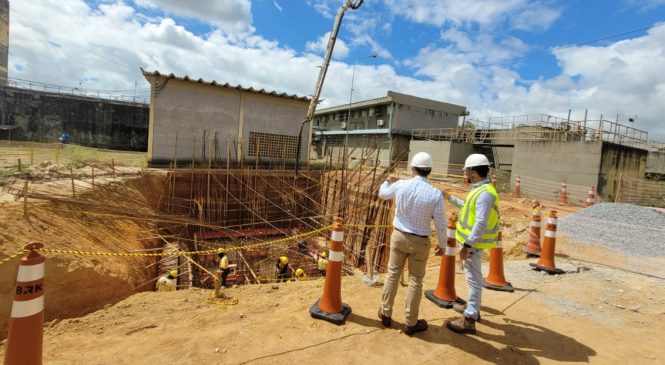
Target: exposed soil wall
x,y
77,285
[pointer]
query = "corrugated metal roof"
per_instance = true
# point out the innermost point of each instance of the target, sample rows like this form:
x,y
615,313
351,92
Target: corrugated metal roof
x,y
225,85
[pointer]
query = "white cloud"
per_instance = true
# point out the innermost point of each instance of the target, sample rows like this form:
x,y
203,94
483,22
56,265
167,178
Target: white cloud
x,y
645,5
521,14
232,15
320,45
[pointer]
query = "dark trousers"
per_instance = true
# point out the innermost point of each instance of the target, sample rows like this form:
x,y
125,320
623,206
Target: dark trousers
x,y
225,273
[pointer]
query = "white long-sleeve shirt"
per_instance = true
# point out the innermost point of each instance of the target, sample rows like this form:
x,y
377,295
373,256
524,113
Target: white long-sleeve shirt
x,y
484,205
417,203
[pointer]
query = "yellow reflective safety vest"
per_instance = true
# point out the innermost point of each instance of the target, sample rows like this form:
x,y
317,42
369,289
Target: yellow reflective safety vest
x,y
224,263
467,218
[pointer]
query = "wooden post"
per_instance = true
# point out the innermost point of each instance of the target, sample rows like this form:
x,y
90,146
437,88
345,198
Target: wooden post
x,y
25,199
19,165
57,153
32,155
93,176
71,175
113,167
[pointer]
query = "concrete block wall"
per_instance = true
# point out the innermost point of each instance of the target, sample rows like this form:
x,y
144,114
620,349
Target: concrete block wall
x,y
617,161
576,162
655,163
42,117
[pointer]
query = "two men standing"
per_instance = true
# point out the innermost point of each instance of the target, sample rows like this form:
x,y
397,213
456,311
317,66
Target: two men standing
x,y
417,203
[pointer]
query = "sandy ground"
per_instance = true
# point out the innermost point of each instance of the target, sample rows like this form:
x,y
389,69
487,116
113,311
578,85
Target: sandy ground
x,y
598,316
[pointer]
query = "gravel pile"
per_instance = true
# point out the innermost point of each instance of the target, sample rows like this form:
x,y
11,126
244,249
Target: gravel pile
x,y
628,228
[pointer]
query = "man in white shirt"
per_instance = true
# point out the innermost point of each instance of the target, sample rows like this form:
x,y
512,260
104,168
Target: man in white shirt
x,y
417,202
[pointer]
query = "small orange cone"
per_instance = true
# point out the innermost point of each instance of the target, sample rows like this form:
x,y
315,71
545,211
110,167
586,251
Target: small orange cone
x,y
546,261
563,196
465,179
26,325
494,180
495,280
330,307
517,192
533,245
444,295
591,197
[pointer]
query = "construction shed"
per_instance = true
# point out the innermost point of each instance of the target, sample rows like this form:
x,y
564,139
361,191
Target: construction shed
x,y
197,120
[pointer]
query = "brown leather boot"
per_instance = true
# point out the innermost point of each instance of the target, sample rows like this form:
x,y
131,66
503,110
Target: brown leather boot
x,y
460,308
462,325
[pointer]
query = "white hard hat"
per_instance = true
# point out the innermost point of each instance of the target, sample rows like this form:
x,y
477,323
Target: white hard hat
x,y
476,159
422,160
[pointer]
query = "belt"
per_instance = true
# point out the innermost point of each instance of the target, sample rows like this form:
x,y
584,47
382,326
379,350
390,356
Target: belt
x,y
412,234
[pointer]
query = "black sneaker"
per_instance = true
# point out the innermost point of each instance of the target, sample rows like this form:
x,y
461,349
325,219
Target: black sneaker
x,y
385,321
420,326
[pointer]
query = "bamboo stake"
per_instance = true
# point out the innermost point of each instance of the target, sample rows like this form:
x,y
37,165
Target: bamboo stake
x,y
113,168
25,199
93,176
19,165
32,154
71,175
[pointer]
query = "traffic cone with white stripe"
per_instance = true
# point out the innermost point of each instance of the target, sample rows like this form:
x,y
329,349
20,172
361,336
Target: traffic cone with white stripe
x,y
533,245
26,325
444,295
496,280
563,195
465,179
517,193
494,180
330,307
591,197
546,261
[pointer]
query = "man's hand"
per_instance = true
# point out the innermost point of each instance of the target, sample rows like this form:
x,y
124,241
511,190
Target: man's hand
x,y
464,253
438,251
392,179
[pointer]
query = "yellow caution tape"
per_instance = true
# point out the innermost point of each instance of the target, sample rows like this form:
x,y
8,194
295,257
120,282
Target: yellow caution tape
x,y
186,253
7,259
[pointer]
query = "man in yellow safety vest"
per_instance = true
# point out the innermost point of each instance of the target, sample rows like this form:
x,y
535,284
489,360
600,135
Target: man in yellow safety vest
x,y
477,229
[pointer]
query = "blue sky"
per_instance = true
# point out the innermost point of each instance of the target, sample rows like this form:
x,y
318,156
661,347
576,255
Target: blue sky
x,y
497,57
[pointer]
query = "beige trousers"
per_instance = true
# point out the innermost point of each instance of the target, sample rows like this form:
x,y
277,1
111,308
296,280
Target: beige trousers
x,y
415,249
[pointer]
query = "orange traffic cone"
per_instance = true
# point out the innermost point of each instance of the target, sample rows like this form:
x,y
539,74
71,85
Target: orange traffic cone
x,y
517,192
494,180
444,295
591,197
533,245
563,196
26,325
495,280
465,179
546,261
330,307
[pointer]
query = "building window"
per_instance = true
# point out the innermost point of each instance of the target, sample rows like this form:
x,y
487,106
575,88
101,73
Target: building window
x,y
272,145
